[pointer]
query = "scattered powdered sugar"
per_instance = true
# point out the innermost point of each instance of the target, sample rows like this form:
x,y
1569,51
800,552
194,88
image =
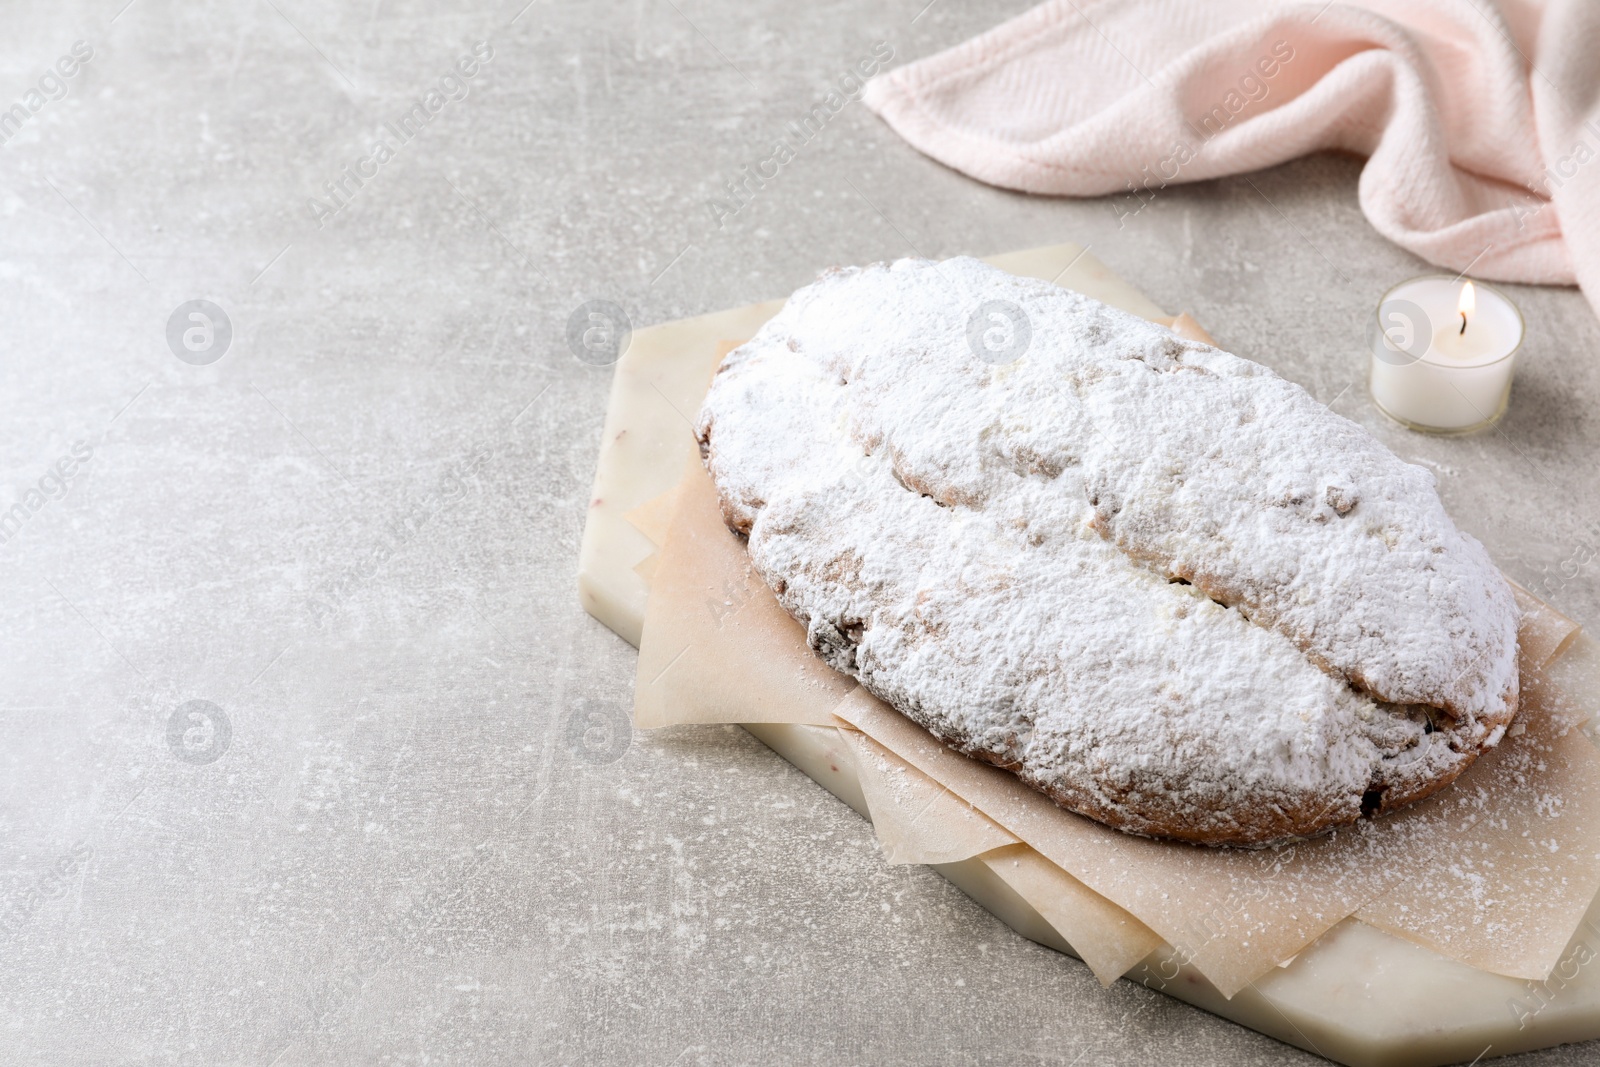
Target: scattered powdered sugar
x,y
992,550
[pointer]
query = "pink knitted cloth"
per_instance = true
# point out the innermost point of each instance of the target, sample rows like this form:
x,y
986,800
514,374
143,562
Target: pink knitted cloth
x,y
1480,120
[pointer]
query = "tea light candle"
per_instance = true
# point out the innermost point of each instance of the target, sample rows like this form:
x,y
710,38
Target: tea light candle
x,y
1443,352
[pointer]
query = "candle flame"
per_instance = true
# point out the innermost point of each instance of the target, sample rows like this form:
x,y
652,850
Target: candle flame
x,y
1467,305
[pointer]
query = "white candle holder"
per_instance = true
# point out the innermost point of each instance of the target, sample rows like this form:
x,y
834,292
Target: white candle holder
x,y
1428,375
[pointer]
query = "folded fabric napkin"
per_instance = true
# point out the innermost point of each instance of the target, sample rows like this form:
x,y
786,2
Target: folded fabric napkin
x,y
1480,120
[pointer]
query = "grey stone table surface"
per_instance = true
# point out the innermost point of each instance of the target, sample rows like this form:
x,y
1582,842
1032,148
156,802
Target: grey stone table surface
x,y
380,838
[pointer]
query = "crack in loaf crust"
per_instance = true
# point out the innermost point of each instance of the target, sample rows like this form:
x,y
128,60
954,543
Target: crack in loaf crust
x,y
1159,583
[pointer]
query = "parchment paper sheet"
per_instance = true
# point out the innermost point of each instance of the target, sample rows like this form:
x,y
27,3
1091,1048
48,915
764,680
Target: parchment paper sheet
x,y
716,646
917,819
1105,936
1495,871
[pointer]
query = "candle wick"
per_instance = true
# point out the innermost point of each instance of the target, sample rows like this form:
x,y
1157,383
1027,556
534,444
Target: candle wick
x,y
1463,324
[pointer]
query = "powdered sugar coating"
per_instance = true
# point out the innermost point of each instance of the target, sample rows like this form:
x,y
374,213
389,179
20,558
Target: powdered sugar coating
x,y
988,548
